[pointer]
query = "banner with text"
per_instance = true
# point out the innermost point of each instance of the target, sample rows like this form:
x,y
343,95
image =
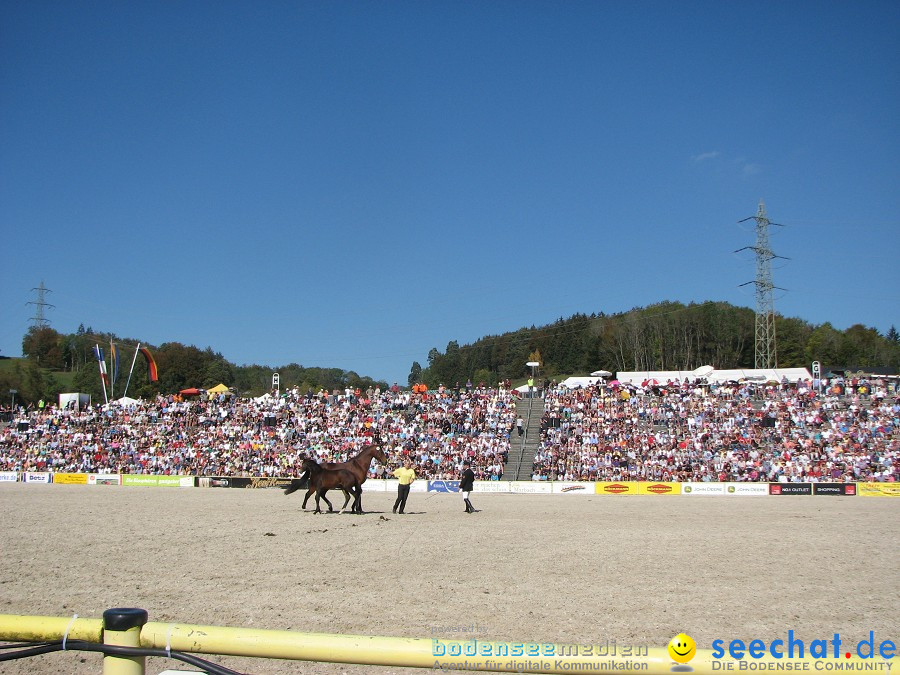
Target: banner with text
x,y
157,481
878,489
619,488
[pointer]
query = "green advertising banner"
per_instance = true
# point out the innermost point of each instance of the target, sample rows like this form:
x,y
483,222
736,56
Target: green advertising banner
x,y
158,481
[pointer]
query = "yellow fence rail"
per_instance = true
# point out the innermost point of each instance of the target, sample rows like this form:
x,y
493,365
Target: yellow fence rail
x,y
437,654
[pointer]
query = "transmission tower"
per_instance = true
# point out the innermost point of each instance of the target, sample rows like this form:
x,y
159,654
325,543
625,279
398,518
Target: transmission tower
x,y
38,320
766,355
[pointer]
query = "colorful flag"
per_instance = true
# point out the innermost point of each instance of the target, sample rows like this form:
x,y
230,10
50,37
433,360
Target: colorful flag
x,y
151,364
101,361
114,360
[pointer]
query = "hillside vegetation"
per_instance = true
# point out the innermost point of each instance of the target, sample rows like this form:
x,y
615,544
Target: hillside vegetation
x,y
665,336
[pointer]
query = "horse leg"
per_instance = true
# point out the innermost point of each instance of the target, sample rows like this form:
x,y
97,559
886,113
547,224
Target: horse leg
x,y
347,499
330,507
318,508
308,495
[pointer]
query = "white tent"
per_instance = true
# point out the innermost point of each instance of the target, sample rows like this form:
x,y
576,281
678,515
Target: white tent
x,y
760,375
577,382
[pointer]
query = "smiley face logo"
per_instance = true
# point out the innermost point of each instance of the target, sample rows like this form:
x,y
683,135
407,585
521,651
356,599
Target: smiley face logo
x,y
682,648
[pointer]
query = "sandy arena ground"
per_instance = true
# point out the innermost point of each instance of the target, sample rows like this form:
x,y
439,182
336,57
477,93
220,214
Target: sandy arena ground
x,y
571,569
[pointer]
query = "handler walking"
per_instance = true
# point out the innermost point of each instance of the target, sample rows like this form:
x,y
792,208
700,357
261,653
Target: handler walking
x,y
406,475
467,484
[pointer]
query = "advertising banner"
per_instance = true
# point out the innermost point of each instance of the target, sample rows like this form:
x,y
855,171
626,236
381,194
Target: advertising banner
x,y
213,481
747,489
836,489
619,488
651,488
443,486
8,477
790,488
492,486
527,487
36,477
573,488
70,478
878,489
717,489
258,482
157,481
103,479
375,485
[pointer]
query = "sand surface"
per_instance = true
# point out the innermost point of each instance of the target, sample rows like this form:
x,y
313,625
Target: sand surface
x,y
539,568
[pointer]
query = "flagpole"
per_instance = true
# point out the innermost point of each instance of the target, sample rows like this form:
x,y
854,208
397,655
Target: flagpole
x,y
112,369
102,365
136,350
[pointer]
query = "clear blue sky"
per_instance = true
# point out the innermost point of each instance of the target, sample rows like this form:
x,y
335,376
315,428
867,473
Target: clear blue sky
x,y
349,184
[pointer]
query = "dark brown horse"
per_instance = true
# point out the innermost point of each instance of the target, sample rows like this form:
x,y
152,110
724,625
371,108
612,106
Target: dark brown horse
x,y
321,480
358,466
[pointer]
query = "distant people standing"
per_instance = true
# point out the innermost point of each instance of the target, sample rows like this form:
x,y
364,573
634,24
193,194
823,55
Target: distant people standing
x,y
467,484
405,475
520,425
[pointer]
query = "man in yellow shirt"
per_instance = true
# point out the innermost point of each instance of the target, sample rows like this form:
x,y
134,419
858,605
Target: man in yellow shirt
x,y
406,476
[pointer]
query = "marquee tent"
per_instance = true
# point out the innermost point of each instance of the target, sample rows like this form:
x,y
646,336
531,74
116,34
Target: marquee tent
x,y
759,375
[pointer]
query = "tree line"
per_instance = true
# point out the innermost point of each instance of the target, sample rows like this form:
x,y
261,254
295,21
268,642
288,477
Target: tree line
x,y
56,363
664,336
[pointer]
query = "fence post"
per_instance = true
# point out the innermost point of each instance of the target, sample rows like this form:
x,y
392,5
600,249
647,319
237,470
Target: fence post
x,y
122,626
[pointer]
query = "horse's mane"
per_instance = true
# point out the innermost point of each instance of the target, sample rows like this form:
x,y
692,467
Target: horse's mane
x,y
312,466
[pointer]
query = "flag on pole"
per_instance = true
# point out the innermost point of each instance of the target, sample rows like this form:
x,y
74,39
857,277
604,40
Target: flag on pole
x,y
151,364
102,362
114,360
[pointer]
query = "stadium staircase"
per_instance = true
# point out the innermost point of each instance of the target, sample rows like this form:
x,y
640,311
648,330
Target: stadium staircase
x,y
522,448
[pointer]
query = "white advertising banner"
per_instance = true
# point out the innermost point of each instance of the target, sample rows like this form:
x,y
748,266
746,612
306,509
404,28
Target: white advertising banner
x,y
492,486
103,479
527,487
703,488
374,485
8,477
36,477
573,488
747,489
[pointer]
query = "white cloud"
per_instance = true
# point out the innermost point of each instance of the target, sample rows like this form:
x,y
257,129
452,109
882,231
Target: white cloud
x,y
751,169
705,155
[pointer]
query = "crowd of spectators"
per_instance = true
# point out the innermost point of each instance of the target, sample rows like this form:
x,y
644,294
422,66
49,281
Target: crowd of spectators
x,y
688,431
268,436
691,431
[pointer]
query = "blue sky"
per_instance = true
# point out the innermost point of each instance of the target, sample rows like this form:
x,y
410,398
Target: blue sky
x,y
349,184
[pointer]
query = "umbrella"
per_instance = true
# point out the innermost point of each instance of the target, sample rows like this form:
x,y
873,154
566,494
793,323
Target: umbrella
x,y
601,373
704,371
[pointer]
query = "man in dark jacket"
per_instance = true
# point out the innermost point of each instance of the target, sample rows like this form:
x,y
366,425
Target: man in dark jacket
x,y
467,484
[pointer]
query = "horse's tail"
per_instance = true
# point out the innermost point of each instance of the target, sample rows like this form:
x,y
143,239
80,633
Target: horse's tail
x,y
297,484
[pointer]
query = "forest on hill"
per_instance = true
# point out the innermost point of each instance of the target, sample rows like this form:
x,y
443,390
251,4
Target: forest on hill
x,y
665,336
